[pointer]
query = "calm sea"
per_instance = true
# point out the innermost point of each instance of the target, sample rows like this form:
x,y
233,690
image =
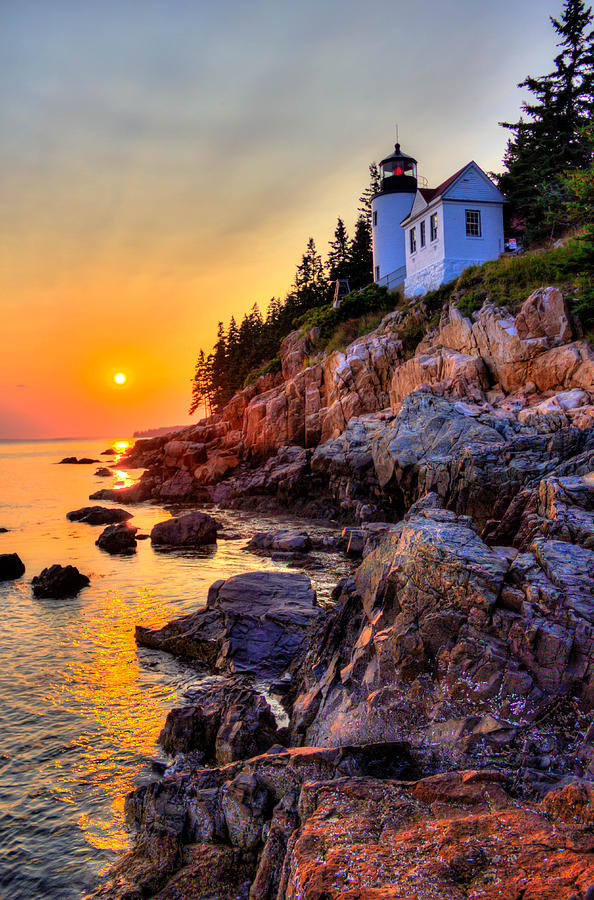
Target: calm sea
x,y
81,706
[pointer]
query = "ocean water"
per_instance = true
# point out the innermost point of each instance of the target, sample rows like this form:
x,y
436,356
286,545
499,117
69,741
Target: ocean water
x,y
80,705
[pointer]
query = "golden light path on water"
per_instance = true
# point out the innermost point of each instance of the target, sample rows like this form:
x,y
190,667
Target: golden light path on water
x,y
82,705
104,686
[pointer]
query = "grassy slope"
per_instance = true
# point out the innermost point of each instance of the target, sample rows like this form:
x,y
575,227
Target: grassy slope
x,y
506,282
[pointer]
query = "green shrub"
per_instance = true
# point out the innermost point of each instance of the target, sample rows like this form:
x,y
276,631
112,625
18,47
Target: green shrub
x,y
347,332
471,301
356,305
436,300
273,365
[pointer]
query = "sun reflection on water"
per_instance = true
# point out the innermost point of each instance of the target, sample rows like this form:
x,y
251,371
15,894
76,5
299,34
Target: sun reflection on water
x,y
124,478
105,684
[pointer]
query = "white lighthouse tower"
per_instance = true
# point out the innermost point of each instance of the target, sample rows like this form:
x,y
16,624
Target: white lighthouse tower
x,y
392,203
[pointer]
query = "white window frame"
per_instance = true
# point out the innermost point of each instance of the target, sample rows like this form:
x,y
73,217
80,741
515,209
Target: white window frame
x,y
422,234
474,224
434,227
413,240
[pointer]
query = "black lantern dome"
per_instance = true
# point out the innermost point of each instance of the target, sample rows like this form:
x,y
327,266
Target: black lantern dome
x,y
399,173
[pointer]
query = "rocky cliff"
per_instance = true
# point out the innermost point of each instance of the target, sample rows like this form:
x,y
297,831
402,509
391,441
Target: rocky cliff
x,y
438,739
350,435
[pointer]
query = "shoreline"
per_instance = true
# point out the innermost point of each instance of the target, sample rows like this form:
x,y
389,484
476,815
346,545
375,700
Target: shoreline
x,y
452,679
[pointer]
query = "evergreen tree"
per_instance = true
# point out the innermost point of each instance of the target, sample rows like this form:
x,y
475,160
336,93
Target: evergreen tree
x,y
375,183
220,387
339,257
202,384
361,255
579,206
310,287
548,139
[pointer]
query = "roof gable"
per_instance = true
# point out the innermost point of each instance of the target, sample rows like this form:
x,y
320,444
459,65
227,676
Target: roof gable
x,y
419,203
469,183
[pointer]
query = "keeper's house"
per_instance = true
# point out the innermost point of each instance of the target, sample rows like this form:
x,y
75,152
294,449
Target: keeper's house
x,y
424,237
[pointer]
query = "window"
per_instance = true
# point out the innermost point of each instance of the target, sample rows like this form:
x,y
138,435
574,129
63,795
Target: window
x,y
375,218
413,240
473,223
422,235
376,273
433,223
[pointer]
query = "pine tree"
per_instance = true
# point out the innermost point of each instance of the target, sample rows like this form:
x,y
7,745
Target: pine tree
x,y
220,363
202,384
548,139
338,261
310,287
579,204
375,183
361,255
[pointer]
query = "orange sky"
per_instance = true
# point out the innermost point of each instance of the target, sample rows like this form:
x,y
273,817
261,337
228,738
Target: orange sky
x,y
163,165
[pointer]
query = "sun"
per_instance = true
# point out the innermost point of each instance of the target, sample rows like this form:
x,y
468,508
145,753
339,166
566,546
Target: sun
x,y
120,378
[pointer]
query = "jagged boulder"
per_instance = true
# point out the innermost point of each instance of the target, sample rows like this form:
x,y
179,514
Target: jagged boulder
x,y
295,349
180,486
194,529
118,539
285,540
353,823
530,348
253,622
446,371
225,721
545,315
453,835
99,515
59,581
455,644
184,454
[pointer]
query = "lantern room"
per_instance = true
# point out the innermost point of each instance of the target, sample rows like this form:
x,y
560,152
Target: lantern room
x,y
399,173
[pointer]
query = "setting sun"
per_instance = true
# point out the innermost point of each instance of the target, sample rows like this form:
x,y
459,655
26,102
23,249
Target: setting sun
x,y
120,378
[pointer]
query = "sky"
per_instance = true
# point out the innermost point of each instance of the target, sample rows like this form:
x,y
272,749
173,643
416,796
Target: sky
x,y
163,163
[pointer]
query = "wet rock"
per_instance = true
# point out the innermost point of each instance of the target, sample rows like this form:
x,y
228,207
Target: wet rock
x,y
72,460
59,581
99,515
11,566
193,529
118,539
253,622
134,493
108,452
226,721
285,540
102,472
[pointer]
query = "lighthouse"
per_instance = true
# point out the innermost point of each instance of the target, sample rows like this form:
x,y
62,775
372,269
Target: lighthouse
x,y
392,203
